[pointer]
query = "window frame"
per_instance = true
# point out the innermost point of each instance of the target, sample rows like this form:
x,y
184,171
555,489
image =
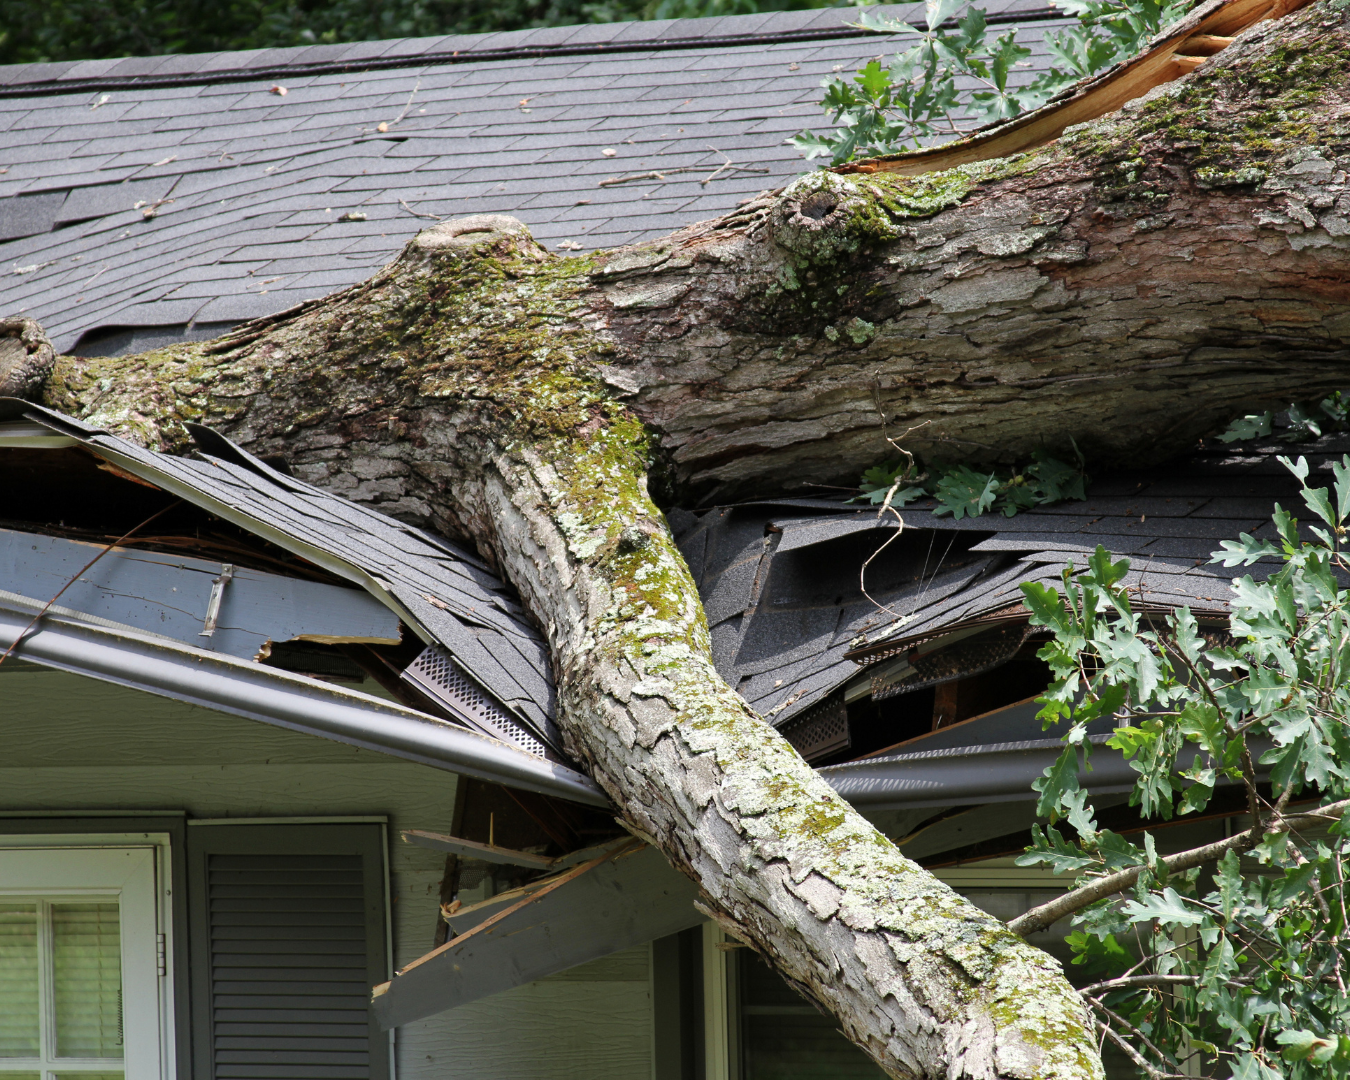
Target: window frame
x,y
163,835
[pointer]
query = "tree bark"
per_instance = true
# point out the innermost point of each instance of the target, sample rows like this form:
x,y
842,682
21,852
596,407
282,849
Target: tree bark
x,y
1128,287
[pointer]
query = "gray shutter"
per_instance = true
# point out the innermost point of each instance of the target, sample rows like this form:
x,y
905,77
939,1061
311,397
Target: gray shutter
x,y
288,938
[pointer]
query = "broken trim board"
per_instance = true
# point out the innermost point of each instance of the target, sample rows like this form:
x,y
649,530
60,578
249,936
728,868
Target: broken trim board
x,y
231,610
623,900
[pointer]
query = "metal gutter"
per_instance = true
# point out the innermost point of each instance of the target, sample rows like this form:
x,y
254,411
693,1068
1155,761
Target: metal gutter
x,y
270,696
999,772
989,773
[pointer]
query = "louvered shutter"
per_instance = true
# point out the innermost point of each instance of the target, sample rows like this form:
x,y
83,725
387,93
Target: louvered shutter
x,y
288,938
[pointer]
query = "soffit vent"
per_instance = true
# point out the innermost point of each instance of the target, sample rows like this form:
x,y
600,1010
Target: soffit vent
x,y
436,675
821,730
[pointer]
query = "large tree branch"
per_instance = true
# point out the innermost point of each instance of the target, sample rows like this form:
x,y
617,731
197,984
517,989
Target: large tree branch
x,y
1113,288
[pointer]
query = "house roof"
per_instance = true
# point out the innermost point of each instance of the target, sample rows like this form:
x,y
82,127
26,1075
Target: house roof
x,y
780,580
447,597
155,199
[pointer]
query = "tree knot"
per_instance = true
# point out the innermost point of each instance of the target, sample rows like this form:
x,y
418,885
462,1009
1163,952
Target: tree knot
x,y
26,358
818,217
477,235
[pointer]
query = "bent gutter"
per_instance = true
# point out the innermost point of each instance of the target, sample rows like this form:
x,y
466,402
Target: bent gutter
x,y
143,662
994,772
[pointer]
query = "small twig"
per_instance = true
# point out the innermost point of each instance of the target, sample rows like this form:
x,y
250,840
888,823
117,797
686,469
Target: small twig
x,y
84,570
663,173
717,171
414,213
416,86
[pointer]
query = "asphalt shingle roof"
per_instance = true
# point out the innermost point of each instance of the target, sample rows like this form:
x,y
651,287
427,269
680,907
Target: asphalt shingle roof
x,y
780,580
246,188
448,591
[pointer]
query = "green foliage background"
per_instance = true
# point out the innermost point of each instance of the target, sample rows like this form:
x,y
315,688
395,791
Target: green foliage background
x,y
39,30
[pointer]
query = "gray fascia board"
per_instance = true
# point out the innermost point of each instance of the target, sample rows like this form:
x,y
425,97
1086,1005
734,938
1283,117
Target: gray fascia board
x,y
270,696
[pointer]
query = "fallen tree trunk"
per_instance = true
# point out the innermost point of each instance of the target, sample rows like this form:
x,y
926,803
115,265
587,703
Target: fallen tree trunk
x,y
1128,287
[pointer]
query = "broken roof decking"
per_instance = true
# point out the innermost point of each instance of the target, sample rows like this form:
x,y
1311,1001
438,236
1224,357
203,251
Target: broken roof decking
x,y
515,123
449,595
780,579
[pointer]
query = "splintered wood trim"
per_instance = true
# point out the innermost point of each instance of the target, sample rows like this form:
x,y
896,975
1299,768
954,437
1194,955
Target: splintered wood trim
x,y
562,879
488,852
122,474
1206,30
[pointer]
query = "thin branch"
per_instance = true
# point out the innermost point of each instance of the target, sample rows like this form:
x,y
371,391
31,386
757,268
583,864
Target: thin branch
x,y
1038,918
414,213
1132,1053
1133,982
1138,1035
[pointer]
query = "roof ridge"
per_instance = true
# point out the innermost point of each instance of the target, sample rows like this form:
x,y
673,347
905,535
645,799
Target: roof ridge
x,y
732,31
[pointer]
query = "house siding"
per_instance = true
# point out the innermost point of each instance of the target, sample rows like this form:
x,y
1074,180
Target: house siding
x,y
76,744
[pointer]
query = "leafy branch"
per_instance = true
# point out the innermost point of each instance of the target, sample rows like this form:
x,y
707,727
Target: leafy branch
x,y
965,492
1247,972
959,75
1299,422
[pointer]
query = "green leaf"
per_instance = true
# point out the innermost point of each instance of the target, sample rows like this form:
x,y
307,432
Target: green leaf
x,y
1167,907
1252,426
1298,468
1099,955
874,79
1047,606
1303,1045
963,492
939,11
1057,781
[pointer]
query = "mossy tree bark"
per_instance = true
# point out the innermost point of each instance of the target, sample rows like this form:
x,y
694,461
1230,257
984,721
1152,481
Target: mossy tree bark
x,y
1130,287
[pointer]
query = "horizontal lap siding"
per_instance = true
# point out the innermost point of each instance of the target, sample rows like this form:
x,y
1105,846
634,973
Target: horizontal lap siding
x,y
289,967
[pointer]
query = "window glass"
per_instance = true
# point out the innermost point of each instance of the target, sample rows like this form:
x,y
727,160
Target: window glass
x,y
19,1035
87,980
784,1038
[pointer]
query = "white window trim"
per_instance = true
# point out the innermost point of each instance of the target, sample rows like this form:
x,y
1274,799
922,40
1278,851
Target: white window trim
x,y
134,862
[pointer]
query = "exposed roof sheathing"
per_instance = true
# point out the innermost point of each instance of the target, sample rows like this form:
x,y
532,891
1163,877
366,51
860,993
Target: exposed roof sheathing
x,y
247,188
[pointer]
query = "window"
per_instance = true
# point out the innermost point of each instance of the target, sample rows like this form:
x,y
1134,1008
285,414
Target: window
x,y
82,964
